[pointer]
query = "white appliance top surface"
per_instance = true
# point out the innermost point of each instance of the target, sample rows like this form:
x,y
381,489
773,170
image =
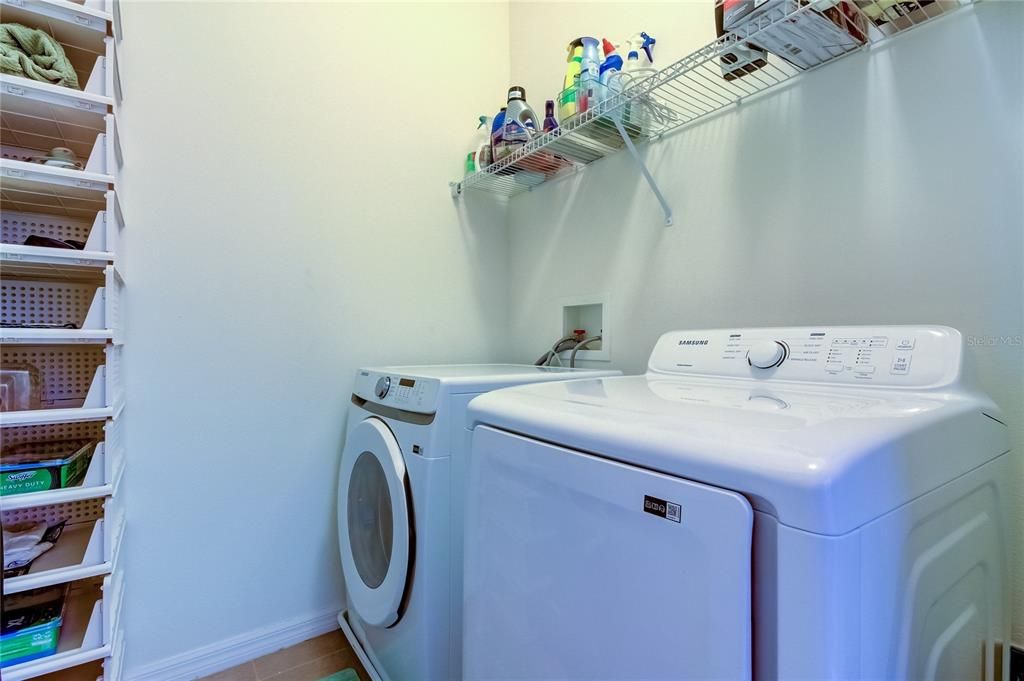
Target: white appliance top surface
x,y
825,454
469,373
421,389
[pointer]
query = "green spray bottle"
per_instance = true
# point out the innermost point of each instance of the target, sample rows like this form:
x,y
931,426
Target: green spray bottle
x,y
567,98
480,157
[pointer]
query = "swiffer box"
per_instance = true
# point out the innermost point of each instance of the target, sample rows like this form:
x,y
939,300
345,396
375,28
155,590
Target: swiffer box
x,y
31,624
41,466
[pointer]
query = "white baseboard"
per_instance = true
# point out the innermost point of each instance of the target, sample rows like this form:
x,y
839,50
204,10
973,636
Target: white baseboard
x,y
216,657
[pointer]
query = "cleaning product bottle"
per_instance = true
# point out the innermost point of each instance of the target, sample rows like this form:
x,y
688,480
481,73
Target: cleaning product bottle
x,y
589,92
643,45
567,98
498,150
480,157
483,149
637,114
612,63
638,67
520,121
550,123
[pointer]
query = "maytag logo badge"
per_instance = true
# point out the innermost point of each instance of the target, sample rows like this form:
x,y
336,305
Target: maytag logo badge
x,y
663,509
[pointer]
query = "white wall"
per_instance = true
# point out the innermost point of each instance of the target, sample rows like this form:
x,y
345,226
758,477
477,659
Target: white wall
x,y
886,188
289,221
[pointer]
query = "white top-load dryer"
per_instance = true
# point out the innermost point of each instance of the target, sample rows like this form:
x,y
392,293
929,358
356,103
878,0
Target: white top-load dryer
x,y
791,503
400,511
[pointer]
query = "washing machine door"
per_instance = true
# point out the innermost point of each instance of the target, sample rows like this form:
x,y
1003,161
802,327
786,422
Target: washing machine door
x,y
374,523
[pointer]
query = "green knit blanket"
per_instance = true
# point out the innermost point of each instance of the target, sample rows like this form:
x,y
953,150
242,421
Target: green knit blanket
x,y
34,54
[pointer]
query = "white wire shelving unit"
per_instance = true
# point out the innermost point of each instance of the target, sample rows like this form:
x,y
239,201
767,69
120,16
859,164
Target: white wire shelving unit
x,y
694,87
60,304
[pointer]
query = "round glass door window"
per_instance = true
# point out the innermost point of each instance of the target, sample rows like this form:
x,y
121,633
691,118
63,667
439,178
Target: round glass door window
x,y
374,523
369,520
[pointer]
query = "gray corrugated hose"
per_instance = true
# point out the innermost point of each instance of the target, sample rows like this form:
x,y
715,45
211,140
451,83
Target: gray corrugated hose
x,y
585,341
555,349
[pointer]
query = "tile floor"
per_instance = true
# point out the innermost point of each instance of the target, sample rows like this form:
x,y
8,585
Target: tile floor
x,y
307,661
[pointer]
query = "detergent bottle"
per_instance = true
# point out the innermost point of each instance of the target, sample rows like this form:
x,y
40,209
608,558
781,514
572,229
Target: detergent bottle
x,y
498,150
567,98
521,122
609,67
589,92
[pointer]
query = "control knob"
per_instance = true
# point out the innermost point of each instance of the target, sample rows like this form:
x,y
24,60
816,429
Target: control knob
x,y
766,354
383,386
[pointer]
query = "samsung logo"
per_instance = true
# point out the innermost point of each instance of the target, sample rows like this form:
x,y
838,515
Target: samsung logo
x,y
693,342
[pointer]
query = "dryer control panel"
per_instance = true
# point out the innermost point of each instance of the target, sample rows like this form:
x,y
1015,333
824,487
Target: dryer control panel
x,y
884,356
410,393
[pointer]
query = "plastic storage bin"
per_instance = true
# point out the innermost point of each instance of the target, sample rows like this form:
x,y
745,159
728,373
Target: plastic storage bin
x,y
31,624
41,466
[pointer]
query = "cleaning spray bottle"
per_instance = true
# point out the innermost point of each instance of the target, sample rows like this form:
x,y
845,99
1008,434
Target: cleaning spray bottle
x,y
567,98
609,67
638,67
643,45
480,157
589,92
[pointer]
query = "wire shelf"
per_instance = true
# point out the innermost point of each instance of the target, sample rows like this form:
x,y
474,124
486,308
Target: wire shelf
x,y
797,35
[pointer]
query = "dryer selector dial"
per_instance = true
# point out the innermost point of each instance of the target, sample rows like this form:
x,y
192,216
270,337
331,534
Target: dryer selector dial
x,y
766,354
383,386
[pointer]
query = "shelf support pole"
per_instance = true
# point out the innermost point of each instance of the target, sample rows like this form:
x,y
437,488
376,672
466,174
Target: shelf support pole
x,y
646,173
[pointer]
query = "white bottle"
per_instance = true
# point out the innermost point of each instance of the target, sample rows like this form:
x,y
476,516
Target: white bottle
x,y
637,113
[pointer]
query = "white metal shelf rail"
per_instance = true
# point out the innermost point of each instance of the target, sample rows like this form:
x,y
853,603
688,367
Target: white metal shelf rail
x,y
691,89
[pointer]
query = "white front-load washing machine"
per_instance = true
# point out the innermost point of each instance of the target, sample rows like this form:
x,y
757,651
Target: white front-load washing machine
x,y
400,499
797,503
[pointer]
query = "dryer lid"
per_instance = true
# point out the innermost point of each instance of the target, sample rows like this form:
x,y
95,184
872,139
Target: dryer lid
x,y
820,458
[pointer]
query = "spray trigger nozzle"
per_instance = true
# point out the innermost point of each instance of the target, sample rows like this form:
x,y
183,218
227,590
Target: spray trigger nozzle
x,y
648,46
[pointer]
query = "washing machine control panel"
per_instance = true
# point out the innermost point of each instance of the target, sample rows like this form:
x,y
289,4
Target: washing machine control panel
x,y
886,356
410,393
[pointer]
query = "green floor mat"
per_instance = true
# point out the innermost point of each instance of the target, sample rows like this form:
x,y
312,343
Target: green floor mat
x,y
344,675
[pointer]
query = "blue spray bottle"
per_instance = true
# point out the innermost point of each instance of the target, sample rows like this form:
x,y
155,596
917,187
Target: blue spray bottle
x,y
612,63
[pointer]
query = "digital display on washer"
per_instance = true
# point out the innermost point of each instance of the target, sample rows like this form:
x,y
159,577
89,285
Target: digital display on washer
x,y
406,382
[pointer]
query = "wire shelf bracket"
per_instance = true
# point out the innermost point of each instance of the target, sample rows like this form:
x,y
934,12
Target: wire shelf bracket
x,y
667,209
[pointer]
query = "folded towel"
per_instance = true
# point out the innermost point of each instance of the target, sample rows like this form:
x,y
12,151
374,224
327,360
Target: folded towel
x,y
34,54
